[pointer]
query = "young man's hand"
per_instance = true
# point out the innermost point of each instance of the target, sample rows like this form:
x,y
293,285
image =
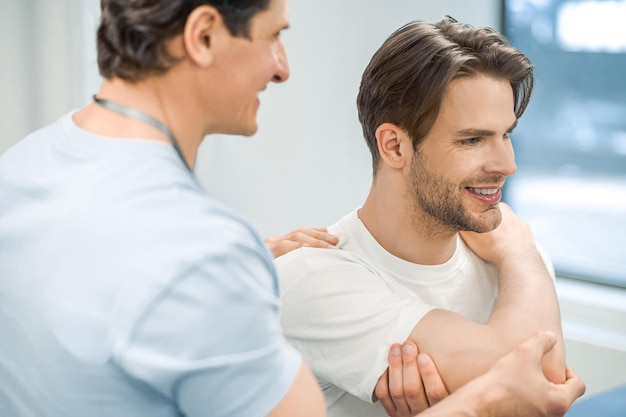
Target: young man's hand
x,y
512,238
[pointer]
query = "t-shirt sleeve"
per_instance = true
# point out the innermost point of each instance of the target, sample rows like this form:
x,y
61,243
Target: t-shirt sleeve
x,y
211,343
343,317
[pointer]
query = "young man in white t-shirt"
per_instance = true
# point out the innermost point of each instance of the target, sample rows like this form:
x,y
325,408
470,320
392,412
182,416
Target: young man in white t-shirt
x,y
437,103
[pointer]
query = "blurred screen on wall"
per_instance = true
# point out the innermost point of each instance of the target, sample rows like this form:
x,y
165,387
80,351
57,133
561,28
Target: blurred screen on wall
x,y
571,143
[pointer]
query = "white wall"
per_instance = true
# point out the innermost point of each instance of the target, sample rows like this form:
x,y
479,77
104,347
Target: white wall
x,y
46,68
308,164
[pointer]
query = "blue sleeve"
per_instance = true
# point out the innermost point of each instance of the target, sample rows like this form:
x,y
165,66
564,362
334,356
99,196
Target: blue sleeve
x,y
212,343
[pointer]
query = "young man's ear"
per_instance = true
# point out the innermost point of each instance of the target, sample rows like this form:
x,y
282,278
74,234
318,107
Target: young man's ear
x,y
203,28
393,145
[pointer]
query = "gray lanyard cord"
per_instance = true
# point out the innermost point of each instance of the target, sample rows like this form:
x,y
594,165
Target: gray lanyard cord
x,y
142,117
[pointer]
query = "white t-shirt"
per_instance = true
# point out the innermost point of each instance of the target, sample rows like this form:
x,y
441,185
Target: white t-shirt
x,y
343,309
125,290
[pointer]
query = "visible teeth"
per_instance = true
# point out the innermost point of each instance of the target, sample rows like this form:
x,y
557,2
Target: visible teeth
x,y
484,191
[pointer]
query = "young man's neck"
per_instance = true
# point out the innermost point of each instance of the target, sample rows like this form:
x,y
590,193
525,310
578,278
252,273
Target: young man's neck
x,y
402,231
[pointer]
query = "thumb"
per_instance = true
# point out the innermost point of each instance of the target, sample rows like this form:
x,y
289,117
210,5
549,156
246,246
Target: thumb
x,y
541,343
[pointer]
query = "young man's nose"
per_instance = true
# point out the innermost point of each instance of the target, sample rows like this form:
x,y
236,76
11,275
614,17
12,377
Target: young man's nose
x,y
502,159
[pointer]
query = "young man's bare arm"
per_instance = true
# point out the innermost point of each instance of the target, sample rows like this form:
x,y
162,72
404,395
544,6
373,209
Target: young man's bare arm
x,y
514,386
526,303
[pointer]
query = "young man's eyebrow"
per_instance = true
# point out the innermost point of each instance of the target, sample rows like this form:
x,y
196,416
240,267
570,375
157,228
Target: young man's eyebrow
x,y
474,132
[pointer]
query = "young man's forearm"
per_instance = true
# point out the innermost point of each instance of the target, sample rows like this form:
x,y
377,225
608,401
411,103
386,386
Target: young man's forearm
x,y
527,302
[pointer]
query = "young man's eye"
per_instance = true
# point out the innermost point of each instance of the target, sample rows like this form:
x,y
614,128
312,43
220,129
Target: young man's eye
x,y
470,141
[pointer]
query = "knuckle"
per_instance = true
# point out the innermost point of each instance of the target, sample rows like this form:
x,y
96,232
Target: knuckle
x,y
381,392
396,393
412,393
438,394
559,408
279,246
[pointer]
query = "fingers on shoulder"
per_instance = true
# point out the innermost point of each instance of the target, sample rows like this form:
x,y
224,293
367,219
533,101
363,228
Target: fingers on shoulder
x,y
316,237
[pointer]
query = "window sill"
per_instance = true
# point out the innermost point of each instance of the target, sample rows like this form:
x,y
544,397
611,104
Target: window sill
x,y
594,327
593,313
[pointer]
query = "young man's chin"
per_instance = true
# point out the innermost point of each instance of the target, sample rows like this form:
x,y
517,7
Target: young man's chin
x,y
491,219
